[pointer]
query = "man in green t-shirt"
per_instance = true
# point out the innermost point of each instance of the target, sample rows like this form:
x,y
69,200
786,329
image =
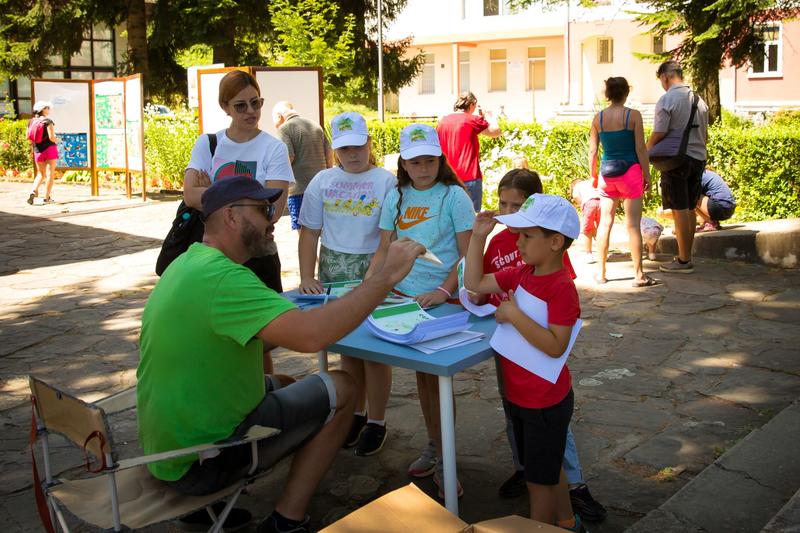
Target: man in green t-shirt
x,y
201,376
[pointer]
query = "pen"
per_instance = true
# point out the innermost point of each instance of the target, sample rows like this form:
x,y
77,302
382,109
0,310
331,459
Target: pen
x,y
327,294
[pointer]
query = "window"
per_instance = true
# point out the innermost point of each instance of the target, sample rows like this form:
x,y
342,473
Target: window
x,y
605,50
463,72
497,70
23,96
427,80
658,44
536,68
96,58
498,7
767,56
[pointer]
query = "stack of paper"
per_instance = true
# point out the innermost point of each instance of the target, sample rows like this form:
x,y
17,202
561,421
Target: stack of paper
x,y
338,289
510,343
410,324
450,341
463,296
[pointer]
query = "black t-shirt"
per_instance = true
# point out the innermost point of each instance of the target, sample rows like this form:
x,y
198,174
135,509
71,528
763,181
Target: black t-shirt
x,y
46,141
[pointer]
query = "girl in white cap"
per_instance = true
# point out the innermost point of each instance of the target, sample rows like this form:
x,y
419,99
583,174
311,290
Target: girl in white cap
x,y
342,207
45,151
431,207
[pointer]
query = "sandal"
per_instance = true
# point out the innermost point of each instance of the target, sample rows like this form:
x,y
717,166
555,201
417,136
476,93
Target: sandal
x,y
599,280
646,282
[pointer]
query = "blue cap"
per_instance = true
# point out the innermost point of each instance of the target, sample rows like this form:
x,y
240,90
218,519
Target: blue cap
x,y
348,129
226,191
545,211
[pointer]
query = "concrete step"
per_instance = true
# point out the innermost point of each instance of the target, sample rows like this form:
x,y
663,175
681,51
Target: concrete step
x,y
788,518
770,242
742,490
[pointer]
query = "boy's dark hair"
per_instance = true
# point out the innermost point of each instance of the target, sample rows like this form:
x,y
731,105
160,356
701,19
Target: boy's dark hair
x,y
617,89
527,181
446,175
670,68
464,100
567,240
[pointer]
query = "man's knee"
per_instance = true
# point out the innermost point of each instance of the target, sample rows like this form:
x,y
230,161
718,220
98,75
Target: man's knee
x,y
345,387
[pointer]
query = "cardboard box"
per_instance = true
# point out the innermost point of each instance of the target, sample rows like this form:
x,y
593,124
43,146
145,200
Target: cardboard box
x,y
409,510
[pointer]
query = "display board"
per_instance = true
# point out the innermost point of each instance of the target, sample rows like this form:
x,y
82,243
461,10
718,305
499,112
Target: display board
x,y
302,86
134,123
71,113
191,83
109,124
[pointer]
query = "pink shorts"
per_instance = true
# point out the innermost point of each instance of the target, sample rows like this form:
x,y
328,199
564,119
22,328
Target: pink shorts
x,y
629,186
590,216
50,153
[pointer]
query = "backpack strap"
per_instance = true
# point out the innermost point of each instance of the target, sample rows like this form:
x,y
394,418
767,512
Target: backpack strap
x,y
627,116
601,121
212,143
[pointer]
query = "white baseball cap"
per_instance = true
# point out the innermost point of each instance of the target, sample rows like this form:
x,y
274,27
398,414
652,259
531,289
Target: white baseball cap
x,y
417,140
348,129
42,104
545,211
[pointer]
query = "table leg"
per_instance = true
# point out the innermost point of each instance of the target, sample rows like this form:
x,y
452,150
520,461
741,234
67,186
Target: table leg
x,y
448,443
322,360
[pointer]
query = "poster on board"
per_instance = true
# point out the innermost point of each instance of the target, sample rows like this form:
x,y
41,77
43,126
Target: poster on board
x,y
134,123
71,115
212,117
191,74
302,86
109,124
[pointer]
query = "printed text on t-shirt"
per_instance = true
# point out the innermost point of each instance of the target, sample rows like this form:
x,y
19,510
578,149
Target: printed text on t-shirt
x,y
412,217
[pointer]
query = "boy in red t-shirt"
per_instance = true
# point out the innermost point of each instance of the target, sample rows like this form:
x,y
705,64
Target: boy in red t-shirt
x,y
540,410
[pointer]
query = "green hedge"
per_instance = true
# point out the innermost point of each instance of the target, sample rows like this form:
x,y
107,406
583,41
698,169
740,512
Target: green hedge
x,y
760,163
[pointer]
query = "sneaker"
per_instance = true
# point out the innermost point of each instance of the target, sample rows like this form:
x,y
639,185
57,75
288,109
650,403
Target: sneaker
x,y
31,196
515,486
425,463
359,423
200,521
49,201
587,507
270,525
438,478
371,441
706,227
677,267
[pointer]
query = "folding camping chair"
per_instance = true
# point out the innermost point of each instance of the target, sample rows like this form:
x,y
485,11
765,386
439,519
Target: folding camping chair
x,y
118,493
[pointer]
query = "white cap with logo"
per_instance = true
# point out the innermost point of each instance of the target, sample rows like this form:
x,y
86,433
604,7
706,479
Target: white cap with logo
x,y
40,105
545,211
417,140
348,129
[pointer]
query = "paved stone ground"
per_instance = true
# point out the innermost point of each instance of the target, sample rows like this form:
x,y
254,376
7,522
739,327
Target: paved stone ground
x,y
666,378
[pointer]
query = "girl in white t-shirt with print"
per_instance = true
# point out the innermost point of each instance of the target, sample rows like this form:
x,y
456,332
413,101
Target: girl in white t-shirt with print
x,y
342,206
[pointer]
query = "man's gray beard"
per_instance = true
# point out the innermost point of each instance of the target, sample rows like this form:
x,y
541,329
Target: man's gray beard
x,y
256,243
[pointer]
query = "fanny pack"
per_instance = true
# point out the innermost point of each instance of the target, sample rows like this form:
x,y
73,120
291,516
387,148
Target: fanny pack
x,y
613,168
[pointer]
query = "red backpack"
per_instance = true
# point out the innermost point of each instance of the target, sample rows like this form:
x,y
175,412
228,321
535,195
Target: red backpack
x,y
35,130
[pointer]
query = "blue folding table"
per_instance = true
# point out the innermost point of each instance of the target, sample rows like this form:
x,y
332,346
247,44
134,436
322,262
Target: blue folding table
x,y
363,345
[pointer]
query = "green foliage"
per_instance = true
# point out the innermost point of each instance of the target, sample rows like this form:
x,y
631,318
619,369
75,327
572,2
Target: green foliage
x,y
168,143
786,117
15,149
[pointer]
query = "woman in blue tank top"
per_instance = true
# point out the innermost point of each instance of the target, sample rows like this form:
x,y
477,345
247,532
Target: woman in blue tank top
x,y
623,174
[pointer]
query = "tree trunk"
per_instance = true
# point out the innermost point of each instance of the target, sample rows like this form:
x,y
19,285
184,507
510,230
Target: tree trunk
x,y
137,41
225,51
708,88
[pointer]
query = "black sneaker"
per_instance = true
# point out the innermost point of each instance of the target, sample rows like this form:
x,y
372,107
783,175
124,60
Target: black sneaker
x,y
372,439
270,525
587,507
515,486
200,521
359,423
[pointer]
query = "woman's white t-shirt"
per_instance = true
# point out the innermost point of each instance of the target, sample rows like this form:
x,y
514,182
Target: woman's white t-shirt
x,y
263,157
347,208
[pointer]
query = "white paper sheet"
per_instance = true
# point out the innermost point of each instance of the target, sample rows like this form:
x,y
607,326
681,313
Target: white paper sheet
x,y
463,296
509,343
451,341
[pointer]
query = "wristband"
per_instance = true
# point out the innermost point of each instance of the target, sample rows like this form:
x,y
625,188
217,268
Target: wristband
x,y
440,288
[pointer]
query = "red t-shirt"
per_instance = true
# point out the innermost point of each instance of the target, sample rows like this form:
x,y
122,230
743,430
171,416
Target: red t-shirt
x,y
502,253
458,135
524,388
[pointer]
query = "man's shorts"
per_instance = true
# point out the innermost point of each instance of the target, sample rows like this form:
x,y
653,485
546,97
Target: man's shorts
x,y
475,192
628,186
680,187
590,216
719,211
294,203
541,436
299,411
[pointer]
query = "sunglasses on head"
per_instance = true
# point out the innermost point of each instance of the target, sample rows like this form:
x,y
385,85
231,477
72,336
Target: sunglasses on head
x,y
255,104
268,210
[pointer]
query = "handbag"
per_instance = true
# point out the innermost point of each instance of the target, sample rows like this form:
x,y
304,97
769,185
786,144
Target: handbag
x,y
670,152
613,168
187,228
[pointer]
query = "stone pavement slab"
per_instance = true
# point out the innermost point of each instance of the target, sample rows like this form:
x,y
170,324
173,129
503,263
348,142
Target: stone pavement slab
x,y
666,378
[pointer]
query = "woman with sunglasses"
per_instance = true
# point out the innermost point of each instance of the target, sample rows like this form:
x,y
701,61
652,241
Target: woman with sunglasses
x,y
243,150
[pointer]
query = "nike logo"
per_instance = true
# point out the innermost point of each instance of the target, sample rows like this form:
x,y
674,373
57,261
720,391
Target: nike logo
x,y
412,217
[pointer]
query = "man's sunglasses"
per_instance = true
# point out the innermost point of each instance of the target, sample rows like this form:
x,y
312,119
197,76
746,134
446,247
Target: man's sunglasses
x,y
268,210
255,104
